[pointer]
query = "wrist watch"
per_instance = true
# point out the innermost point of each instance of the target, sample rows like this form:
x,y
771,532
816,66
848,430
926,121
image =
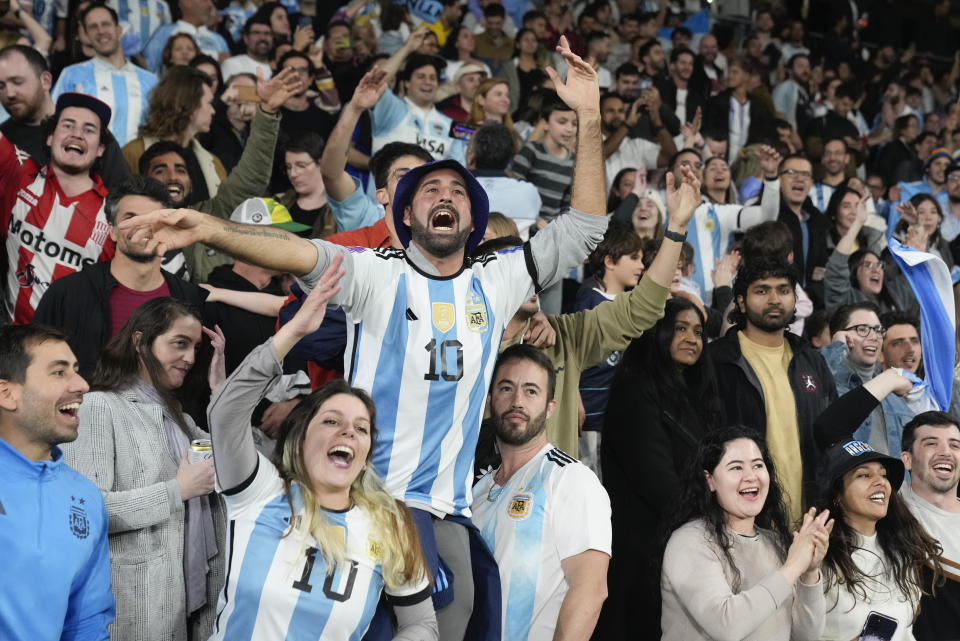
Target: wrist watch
x,y
674,236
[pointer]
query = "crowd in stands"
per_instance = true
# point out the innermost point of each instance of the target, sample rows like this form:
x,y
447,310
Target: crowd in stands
x,y
501,319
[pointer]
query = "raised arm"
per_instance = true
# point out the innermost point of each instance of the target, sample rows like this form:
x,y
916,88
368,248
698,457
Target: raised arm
x,y
769,206
333,163
581,91
232,404
393,63
262,245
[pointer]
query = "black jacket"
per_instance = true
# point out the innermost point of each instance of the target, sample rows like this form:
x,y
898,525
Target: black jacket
x,y
716,118
79,304
647,442
742,397
696,97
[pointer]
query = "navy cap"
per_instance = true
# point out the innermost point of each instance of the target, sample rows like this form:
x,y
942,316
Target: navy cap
x,y
479,204
954,166
77,99
848,454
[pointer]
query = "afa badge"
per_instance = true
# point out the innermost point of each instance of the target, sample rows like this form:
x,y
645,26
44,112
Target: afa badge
x,y
708,225
79,525
476,313
374,550
443,316
520,506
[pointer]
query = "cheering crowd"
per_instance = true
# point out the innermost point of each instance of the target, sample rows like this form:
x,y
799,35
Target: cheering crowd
x,y
609,320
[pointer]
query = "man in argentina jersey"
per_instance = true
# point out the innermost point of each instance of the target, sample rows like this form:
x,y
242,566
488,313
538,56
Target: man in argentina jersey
x,y
53,214
713,225
140,18
414,118
544,514
424,323
109,76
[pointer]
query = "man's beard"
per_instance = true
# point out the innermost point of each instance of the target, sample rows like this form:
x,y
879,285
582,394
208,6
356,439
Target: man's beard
x,y
769,325
137,256
439,246
519,436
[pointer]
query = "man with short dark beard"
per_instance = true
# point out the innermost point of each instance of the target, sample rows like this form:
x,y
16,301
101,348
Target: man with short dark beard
x,y
950,227
769,379
92,304
931,453
553,570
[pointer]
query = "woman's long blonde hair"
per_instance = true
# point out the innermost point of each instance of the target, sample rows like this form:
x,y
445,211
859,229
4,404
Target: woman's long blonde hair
x,y
477,116
393,529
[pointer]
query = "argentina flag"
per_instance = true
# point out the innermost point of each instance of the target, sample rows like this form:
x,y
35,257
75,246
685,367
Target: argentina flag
x,y
932,285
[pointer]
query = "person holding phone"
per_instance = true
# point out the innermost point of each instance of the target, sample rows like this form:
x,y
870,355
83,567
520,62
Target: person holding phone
x,y
731,563
878,550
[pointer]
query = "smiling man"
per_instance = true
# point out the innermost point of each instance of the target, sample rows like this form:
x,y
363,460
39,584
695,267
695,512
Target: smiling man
x,y
771,380
94,303
109,76
54,532
853,357
53,214
424,324
931,453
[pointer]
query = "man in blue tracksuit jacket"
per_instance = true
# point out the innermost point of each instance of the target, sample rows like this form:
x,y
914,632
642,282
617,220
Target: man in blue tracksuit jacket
x,y
54,557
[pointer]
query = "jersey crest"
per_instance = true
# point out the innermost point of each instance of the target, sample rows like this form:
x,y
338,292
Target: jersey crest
x,y
520,506
476,313
79,524
443,316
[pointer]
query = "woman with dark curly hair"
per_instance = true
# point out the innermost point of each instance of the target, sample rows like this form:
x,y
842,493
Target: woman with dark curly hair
x,y
663,399
878,550
731,569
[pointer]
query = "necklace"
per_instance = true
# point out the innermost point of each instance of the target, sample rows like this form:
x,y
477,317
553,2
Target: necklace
x,y
494,493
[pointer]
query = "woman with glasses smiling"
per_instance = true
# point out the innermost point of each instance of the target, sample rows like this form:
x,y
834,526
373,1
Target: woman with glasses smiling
x,y
855,274
307,201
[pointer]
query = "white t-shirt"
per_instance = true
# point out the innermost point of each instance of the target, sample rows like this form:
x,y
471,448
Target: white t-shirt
x,y
551,509
244,64
278,588
518,200
632,152
942,525
846,614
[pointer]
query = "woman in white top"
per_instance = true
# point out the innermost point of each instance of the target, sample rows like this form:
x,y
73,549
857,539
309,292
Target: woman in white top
x,y
877,549
731,569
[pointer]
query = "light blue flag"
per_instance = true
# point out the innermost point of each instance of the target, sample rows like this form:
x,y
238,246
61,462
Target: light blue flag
x,y
932,285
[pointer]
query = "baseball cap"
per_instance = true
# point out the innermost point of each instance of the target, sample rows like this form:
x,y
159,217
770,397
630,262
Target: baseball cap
x,y
403,196
470,67
842,457
77,99
266,211
954,166
939,152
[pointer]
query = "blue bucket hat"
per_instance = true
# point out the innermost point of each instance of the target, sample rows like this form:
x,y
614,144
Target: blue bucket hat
x,y
479,204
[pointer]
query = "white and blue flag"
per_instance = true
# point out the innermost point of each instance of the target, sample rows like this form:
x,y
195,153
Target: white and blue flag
x,y
933,286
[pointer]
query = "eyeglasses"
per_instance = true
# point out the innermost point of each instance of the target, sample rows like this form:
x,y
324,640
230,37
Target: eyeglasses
x,y
797,172
870,264
303,71
954,177
864,330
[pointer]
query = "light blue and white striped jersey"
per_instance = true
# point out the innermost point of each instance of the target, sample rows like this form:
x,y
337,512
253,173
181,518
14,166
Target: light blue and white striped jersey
x,y
210,43
141,17
425,347
126,90
279,587
395,119
552,508
820,194
43,12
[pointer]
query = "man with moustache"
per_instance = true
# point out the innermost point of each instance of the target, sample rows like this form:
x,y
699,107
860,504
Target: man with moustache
x,y
931,453
94,303
853,357
771,380
553,567
424,324
257,44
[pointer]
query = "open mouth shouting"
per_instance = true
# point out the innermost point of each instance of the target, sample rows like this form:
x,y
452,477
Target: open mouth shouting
x,y
175,190
879,498
750,493
341,456
944,469
75,149
444,218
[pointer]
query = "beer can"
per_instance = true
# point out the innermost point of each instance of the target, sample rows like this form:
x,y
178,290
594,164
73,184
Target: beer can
x,y
200,449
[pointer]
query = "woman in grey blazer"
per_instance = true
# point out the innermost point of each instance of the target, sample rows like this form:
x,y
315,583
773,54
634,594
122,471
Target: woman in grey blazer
x,y
166,528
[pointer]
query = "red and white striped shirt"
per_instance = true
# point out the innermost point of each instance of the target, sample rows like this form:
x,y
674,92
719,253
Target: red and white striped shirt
x,y
48,234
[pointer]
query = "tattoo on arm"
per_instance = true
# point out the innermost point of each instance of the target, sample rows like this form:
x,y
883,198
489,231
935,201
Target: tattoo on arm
x,y
251,230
